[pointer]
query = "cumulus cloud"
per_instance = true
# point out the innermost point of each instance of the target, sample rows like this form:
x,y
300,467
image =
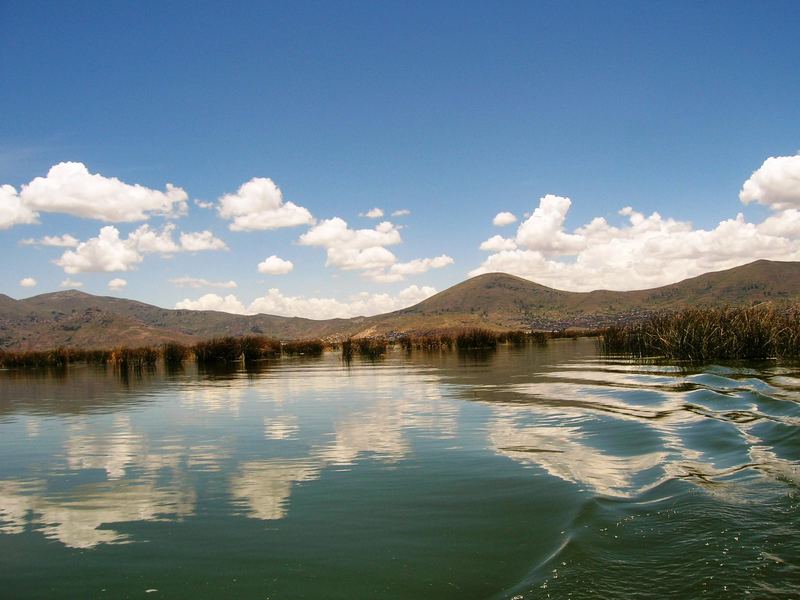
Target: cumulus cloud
x,y
199,241
70,189
12,210
117,284
196,282
147,240
373,213
353,249
28,282
229,304
71,283
544,229
776,183
403,212
497,243
502,219
57,241
259,205
106,252
646,251
276,303
365,250
204,204
364,304
109,252
399,271
273,265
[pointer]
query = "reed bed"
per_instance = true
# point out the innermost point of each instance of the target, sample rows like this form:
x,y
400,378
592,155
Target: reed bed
x,y
313,347
476,339
430,342
134,358
174,354
480,339
347,350
233,349
60,357
372,348
710,333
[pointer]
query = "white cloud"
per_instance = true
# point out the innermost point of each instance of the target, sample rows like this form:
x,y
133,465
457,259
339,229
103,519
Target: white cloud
x,y
71,283
275,266
372,213
497,243
775,183
28,282
107,252
648,251
195,282
544,229
12,210
57,241
117,284
363,304
403,212
69,188
259,205
149,241
354,249
364,250
334,233
204,204
399,271
502,219
275,303
229,304
201,240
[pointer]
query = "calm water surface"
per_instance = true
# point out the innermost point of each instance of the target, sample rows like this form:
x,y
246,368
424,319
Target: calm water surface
x,y
525,473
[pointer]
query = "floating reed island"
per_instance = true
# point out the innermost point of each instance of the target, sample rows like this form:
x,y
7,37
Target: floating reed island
x,y
253,348
701,334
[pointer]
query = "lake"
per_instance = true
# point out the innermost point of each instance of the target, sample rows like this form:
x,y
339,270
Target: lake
x,y
531,472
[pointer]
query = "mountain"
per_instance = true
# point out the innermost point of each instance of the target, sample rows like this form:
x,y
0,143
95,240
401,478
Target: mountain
x,y
493,300
503,300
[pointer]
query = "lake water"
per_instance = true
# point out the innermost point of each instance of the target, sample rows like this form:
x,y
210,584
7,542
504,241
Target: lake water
x,y
535,472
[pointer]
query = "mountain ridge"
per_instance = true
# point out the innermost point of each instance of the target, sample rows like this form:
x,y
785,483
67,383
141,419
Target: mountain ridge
x,y
492,300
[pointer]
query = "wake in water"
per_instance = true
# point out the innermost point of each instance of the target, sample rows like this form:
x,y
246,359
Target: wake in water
x,y
690,477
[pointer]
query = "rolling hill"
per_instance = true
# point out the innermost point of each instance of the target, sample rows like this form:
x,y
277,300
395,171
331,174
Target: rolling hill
x,y
494,300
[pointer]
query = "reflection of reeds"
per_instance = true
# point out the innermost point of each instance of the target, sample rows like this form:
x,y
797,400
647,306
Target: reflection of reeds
x,y
710,333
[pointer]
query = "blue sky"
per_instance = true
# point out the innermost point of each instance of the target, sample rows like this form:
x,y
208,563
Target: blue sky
x,y
452,111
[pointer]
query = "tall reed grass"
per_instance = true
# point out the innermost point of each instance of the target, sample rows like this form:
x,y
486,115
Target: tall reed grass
x,y
313,347
701,334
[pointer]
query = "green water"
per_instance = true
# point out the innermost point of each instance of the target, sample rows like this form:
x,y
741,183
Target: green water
x,y
531,472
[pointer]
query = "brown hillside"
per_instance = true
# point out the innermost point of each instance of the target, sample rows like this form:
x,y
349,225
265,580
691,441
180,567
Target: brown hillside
x,y
494,300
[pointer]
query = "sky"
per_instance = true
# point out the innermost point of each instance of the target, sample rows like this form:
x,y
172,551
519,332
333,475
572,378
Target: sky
x,y
326,159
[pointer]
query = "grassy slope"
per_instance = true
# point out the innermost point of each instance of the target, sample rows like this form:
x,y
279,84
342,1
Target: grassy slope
x,y
493,300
